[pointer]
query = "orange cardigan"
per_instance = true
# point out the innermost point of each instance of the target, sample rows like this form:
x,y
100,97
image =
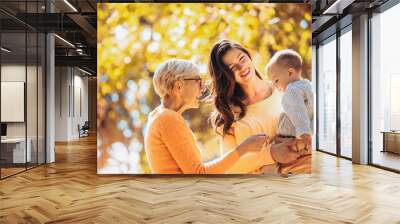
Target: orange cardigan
x,y
171,147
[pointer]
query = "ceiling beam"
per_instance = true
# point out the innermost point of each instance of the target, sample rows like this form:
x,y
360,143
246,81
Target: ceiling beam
x,y
321,23
337,7
83,23
78,61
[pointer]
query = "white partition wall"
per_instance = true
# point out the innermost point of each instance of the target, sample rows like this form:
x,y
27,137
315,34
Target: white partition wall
x,y
71,102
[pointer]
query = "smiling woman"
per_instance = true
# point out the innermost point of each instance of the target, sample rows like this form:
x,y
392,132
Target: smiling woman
x,y
247,105
230,65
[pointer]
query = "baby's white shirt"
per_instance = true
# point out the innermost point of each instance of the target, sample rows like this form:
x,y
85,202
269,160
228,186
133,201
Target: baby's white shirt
x,y
298,106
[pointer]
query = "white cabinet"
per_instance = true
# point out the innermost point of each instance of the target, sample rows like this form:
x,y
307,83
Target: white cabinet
x,y
17,146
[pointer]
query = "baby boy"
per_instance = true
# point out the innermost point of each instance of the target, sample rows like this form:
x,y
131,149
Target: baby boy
x,y
284,70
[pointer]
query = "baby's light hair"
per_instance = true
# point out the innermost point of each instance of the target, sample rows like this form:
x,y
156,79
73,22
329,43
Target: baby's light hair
x,y
287,58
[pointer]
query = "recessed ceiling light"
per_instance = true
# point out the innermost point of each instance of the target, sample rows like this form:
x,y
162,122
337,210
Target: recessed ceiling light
x,y
64,40
5,49
84,71
337,7
70,5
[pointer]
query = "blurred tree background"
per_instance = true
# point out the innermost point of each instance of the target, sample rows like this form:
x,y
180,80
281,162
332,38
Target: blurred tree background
x,y
134,38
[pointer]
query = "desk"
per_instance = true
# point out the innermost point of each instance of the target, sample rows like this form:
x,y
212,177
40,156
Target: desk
x,y
15,148
391,141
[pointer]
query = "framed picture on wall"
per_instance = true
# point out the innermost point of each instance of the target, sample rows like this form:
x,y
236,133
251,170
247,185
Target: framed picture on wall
x,y
171,87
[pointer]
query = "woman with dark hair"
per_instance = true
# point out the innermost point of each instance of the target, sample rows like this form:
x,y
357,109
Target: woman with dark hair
x,y
245,104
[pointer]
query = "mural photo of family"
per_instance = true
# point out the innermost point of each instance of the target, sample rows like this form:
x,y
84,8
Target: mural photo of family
x,y
204,89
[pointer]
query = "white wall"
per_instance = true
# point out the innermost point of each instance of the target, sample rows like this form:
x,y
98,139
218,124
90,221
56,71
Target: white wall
x,y
13,73
71,94
33,126
61,103
80,115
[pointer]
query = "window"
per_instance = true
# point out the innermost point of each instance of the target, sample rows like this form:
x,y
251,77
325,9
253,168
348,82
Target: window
x,y
346,93
327,96
385,89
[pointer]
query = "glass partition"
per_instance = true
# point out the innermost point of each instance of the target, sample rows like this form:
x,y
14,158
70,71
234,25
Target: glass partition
x,y
14,153
22,88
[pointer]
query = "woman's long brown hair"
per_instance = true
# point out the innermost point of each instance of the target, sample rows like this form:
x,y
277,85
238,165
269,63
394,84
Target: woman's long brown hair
x,y
227,93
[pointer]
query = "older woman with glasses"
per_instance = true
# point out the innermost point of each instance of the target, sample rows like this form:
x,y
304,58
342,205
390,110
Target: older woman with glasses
x,y
169,143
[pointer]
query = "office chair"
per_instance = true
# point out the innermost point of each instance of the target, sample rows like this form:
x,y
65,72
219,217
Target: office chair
x,y
84,130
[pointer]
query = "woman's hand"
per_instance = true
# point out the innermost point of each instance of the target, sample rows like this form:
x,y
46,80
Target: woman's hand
x,y
303,144
283,152
253,143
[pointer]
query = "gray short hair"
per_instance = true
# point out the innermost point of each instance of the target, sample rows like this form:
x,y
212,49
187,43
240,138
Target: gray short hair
x,y
170,71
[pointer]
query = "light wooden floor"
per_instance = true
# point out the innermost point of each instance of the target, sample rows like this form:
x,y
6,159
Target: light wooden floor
x,y
70,191
387,159
5,172
9,171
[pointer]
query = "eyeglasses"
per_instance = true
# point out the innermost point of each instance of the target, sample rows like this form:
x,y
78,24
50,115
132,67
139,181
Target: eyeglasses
x,y
198,79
